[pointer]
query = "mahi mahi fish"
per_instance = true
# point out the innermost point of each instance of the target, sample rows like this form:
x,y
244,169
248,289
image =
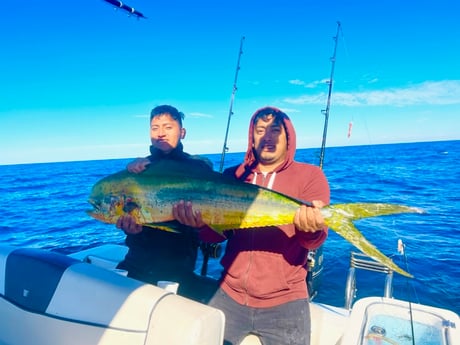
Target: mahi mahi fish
x,y
225,203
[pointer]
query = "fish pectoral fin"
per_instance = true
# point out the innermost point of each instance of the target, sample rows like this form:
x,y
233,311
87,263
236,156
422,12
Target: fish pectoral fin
x,y
171,226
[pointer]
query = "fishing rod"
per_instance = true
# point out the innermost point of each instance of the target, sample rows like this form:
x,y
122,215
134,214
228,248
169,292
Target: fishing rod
x,y
126,8
213,250
328,106
230,113
313,270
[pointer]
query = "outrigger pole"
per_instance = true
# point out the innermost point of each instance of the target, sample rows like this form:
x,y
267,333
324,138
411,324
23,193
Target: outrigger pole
x,y
230,113
126,8
328,106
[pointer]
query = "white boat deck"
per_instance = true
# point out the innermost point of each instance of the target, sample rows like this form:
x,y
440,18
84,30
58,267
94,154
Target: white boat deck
x,y
91,302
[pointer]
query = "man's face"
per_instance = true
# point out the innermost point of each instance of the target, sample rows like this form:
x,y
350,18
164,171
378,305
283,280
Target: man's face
x,y
165,133
270,142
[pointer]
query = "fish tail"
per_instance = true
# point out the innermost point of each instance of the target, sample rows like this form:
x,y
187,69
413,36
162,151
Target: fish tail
x,y
340,219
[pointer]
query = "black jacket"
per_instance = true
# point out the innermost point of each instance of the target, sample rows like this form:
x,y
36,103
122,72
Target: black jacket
x,y
160,255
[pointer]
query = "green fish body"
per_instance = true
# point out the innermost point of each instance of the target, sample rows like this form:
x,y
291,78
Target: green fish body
x,y
225,203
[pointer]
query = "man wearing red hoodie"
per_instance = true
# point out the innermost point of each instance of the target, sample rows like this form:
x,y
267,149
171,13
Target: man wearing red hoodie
x,y
263,288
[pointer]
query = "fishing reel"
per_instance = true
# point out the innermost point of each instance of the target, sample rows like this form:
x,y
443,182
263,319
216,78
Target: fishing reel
x,y
211,250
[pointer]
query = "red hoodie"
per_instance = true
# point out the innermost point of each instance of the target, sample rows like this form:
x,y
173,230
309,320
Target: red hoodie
x,y
267,267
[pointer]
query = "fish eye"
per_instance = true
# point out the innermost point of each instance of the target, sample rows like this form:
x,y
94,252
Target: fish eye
x,y
130,206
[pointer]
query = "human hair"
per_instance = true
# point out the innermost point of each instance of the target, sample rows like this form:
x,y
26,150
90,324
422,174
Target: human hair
x,y
169,110
265,114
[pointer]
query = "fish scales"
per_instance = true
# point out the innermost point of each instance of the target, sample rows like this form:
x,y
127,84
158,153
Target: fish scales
x,y
225,204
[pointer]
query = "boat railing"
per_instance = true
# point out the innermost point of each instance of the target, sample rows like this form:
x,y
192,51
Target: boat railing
x,y
364,262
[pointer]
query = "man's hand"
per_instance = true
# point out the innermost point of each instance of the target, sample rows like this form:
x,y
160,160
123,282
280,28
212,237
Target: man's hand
x,y
183,213
128,225
138,165
309,219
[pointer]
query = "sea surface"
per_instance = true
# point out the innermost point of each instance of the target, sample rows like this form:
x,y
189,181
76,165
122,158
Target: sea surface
x,y
43,206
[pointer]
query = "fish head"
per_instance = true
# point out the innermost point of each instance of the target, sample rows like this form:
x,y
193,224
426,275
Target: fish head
x,y
112,198
106,210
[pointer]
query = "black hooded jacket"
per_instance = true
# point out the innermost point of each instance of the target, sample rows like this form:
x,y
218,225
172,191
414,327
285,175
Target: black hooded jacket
x,y
160,255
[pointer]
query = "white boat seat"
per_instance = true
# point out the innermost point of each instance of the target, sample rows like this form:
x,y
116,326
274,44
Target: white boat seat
x,y
61,300
32,275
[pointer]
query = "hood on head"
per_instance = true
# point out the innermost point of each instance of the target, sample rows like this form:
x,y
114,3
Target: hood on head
x,y
250,158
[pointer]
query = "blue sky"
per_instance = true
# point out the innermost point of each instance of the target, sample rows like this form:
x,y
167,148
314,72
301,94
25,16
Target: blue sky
x,y
78,78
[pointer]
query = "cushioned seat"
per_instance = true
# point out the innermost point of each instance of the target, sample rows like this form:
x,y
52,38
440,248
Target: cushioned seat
x,y
49,298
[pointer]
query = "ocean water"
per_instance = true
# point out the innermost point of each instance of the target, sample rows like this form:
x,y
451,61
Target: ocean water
x,y
43,206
